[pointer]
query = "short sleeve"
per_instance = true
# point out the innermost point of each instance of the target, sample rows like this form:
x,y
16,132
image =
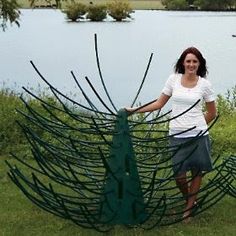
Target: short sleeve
x,y
208,92
168,88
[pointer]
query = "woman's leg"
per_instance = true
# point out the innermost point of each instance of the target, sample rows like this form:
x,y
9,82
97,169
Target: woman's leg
x,y
182,184
194,188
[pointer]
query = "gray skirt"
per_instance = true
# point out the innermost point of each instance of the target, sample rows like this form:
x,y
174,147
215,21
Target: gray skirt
x,y
191,154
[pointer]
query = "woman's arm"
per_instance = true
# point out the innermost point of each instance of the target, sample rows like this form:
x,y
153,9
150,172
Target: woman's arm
x,y
156,105
211,111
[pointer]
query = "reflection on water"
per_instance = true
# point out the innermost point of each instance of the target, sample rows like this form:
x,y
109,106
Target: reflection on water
x,y
57,47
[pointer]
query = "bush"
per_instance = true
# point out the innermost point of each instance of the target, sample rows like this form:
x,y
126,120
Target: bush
x,y
97,12
11,135
175,4
75,11
223,132
227,104
13,139
214,4
119,9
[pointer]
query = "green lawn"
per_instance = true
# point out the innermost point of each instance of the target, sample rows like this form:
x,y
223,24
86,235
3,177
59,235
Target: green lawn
x,y
18,216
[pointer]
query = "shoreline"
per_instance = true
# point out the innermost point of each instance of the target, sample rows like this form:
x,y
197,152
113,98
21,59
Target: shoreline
x,y
135,5
135,9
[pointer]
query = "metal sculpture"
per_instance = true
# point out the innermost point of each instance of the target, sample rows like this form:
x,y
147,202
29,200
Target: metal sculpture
x,y
99,169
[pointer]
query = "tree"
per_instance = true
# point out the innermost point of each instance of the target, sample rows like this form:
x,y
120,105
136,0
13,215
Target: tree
x,y
175,4
190,2
201,4
9,12
215,4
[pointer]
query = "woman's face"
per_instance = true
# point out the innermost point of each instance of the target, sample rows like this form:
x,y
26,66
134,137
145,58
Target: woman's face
x,y
191,64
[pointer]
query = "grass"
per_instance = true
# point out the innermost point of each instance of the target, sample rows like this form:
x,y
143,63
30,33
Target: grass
x,y
135,4
18,216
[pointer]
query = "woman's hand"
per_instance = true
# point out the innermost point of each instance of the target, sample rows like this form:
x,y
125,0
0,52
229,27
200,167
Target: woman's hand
x,y
152,106
130,110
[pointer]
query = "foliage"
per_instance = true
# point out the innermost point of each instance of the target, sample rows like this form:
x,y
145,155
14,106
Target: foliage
x,y
9,12
12,139
227,104
11,135
119,9
200,4
175,4
223,133
75,11
190,2
97,12
215,4
56,3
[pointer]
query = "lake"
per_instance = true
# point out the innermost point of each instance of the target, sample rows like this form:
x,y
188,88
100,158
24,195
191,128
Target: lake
x,y
57,47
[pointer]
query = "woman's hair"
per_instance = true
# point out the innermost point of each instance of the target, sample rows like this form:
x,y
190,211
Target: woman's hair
x,y
179,67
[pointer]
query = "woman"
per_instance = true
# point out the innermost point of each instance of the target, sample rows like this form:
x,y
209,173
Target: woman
x,y
187,86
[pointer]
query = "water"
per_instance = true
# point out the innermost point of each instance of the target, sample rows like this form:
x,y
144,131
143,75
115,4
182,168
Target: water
x,y
57,47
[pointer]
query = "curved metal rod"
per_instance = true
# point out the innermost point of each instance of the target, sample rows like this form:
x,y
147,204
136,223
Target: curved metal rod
x,y
58,153
92,155
167,120
65,111
36,116
143,121
84,130
144,77
60,179
98,96
31,197
100,133
51,163
148,140
167,136
28,130
31,136
138,108
148,132
48,194
176,116
24,163
161,204
94,225
82,91
100,72
52,88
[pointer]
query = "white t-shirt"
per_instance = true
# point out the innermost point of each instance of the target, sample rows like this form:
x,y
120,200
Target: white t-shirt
x,y
182,99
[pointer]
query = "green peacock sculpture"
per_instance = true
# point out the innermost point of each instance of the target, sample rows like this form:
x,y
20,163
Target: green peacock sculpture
x,y
105,168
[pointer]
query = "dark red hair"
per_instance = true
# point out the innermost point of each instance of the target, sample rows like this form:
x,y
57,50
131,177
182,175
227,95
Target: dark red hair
x,y
202,70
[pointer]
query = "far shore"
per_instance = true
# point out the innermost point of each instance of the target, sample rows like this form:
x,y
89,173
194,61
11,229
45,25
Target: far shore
x,y
135,4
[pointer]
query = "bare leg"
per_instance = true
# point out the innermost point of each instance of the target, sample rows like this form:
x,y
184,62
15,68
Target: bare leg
x,y
193,191
182,184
